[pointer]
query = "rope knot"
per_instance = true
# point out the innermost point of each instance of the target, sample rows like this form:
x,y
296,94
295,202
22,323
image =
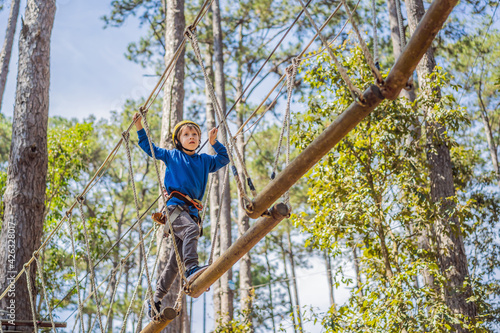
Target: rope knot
x,y
190,32
35,254
142,111
125,135
68,213
80,199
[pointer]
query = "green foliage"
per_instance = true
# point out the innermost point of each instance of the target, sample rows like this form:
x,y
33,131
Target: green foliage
x,y
371,193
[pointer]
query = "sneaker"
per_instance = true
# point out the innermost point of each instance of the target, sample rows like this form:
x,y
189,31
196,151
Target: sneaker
x,y
192,270
195,269
151,313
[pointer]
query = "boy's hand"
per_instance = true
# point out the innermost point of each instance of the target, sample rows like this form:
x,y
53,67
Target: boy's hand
x,y
138,121
212,135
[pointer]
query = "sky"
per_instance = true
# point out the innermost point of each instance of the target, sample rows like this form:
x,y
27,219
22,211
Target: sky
x,y
90,76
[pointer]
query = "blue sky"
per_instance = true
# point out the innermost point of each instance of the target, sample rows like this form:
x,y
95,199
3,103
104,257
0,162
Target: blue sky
x,y
89,74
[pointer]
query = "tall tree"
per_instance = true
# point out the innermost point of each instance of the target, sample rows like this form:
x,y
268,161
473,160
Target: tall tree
x,y
243,219
226,294
25,193
7,46
450,245
173,110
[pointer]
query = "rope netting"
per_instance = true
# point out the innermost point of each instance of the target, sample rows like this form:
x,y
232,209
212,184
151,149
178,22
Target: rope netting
x,y
115,275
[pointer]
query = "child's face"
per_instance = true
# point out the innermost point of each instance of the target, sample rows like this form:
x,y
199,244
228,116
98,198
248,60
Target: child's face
x,y
189,138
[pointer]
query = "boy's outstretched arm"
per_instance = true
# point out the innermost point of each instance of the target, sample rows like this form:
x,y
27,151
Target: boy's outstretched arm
x,y
221,158
160,153
138,121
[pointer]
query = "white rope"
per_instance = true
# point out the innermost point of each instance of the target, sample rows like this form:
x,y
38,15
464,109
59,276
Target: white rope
x,y
126,137
180,263
91,265
356,93
378,77
44,291
221,198
30,291
134,295
191,34
112,301
75,268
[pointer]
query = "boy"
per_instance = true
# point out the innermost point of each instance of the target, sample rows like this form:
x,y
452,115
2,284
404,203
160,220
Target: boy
x,y
186,172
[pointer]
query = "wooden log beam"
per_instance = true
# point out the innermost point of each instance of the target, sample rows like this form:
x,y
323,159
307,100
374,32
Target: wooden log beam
x,y
241,246
397,79
238,249
6,322
166,316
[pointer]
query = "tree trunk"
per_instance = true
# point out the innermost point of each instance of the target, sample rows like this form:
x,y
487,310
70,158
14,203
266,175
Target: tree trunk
x,y
451,252
214,192
270,285
356,270
173,106
294,279
243,219
7,46
329,276
26,176
489,133
397,43
288,288
225,220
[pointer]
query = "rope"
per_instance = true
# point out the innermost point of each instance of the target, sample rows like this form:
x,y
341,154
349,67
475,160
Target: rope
x,y
355,92
89,258
269,107
111,249
97,176
129,309
178,301
112,271
262,67
169,68
191,34
292,73
214,239
126,138
44,291
114,294
148,132
378,77
31,292
75,268
300,56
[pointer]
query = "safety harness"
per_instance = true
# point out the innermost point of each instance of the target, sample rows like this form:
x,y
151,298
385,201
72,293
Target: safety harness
x,y
188,201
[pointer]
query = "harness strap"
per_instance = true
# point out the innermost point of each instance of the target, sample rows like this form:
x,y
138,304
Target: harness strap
x,y
187,199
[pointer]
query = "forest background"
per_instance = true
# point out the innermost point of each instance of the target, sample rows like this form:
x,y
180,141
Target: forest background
x,y
95,89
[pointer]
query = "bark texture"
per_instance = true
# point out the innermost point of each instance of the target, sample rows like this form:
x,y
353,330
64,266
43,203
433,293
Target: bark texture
x,y
26,179
173,110
214,192
226,294
7,46
451,254
397,43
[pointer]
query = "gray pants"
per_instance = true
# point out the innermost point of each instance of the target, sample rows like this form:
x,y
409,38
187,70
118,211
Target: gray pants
x,y
186,234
